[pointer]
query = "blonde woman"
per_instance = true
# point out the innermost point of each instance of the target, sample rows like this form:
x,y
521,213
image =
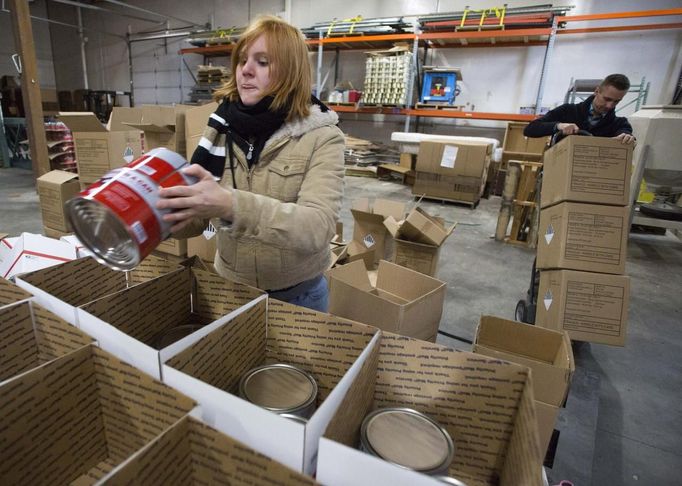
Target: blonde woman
x,y
278,156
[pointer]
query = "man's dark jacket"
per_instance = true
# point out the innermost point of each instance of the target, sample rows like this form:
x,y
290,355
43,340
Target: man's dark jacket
x,y
609,126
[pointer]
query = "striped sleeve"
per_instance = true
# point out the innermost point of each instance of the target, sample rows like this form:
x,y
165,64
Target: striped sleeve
x,y
210,153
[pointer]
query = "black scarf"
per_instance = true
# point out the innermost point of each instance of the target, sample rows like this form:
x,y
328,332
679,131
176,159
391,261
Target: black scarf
x,y
253,125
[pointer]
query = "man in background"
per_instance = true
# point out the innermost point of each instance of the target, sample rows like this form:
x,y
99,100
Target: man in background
x,y
597,114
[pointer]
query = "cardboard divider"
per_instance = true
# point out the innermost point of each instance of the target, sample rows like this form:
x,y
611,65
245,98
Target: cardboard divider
x,y
11,293
64,287
402,301
31,336
125,323
328,347
75,418
485,405
193,453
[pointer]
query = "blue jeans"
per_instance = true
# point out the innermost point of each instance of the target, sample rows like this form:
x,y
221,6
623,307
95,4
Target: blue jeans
x,y
316,297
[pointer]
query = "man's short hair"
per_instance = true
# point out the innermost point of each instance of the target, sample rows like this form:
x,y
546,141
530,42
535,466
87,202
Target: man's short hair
x,y
618,81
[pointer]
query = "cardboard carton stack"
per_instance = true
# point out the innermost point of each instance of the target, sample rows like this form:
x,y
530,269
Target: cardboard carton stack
x,y
454,171
546,352
582,239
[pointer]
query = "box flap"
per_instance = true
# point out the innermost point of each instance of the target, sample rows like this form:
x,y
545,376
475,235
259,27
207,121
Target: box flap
x,y
353,274
392,226
150,127
57,177
404,282
121,115
78,121
386,207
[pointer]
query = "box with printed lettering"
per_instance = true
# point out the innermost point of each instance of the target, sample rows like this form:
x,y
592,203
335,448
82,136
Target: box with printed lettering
x,y
74,419
273,377
418,407
32,336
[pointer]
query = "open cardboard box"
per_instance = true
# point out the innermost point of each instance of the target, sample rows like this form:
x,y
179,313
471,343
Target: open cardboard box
x,y
486,406
196,120
402,301
75,418
62,288
30,252
11,293
99,150
31,336
328,347
193,453
547,353
125,323
163,126
369,231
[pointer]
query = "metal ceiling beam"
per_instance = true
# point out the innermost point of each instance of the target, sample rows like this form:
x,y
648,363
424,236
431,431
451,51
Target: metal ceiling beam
x,y
163,16
89,6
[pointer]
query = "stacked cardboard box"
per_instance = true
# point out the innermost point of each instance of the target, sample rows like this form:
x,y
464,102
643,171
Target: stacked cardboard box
x,y
547,353
454,171
583,232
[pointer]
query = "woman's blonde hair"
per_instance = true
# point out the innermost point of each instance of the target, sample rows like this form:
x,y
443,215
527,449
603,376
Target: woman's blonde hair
x,y
291,81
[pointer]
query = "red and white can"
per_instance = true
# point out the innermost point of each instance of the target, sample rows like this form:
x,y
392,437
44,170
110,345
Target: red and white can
x,y
116,217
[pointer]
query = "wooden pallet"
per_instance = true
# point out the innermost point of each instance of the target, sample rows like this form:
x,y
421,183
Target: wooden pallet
x,y
444,200
438,106
522,208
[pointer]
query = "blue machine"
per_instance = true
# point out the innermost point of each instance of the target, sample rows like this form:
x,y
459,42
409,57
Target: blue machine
x,y
439,85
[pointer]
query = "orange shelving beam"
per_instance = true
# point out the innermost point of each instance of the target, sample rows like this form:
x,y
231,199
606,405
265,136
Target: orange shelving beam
x,y
428,113
620,15
622,28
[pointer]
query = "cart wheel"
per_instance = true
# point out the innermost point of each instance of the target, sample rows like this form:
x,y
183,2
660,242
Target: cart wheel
x,y
521,312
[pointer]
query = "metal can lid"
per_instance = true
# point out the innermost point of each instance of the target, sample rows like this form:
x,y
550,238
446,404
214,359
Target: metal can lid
x,y
278,387
295,418
103,233
407,438
450,480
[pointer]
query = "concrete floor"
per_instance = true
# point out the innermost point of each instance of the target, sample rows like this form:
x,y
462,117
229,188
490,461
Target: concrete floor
x,y
623,421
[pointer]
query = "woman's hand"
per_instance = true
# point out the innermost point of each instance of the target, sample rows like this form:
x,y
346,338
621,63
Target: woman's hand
x,y
205,199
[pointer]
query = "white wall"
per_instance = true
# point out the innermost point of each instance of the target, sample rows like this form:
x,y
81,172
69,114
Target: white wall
x,y
497,79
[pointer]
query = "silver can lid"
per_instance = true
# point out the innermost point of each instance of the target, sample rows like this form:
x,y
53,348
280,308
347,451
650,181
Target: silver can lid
x,y
450,480
408,439
280,388
103,233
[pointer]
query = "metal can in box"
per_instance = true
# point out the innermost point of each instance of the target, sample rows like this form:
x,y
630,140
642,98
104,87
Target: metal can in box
x,y
116,217
281,388
408,439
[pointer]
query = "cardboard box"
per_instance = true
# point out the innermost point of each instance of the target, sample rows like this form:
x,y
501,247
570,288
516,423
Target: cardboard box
x,y
547,353
585,237
120,116
516,142
454,188
81,250
454,158
99,150
193,453
588,170
408,161
173,246
420,227
11,294
126,323
77,417
196,120
54,189
31,252
163,126
62,288
32,336
402,301
54,233
485,405
416,256
546,417
204,245
368,227
328,347
588,306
